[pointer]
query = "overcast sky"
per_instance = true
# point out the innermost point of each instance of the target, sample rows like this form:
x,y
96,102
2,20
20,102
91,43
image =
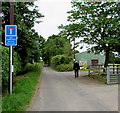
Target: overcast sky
x,y
55,12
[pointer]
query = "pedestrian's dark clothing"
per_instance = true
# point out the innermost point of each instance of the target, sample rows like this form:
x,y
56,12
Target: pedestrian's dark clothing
x,y
76,67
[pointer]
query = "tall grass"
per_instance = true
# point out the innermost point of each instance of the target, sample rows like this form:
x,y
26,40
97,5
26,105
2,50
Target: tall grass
x,y
23,90
32,67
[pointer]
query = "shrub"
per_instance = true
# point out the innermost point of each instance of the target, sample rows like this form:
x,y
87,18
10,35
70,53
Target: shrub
x,y
17,63
5,64
0,68
62,63
64,67
32,67
60,59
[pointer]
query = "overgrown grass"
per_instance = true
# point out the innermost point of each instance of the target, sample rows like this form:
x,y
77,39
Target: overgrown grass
x,y
32,67
98,78
23,91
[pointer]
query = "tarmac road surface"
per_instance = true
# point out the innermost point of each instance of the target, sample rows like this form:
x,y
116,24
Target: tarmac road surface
x,y
60,91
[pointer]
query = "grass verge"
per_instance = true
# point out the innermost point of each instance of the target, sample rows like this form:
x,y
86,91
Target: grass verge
x,y
23,91
98,78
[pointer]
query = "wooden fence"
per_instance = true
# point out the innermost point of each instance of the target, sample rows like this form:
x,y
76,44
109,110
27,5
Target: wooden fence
x,y
111,74
96,69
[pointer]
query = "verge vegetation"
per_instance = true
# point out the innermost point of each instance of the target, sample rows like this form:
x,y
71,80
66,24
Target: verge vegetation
x,y
29,49
23,90
5,65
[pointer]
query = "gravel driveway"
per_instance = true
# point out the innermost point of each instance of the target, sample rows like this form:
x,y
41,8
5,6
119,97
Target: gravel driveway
x,y
60,91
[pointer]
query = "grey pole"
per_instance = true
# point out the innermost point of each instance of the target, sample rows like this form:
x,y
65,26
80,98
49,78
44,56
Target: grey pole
x,y
11,69
108,75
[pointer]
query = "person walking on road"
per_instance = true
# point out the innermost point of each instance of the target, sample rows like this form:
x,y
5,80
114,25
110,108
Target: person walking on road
x,y
76,68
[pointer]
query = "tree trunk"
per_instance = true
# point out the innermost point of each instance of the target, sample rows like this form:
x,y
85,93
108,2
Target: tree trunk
x,y
106,58
74,48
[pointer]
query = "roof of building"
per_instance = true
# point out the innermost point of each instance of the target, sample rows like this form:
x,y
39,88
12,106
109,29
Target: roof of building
x,y
87,53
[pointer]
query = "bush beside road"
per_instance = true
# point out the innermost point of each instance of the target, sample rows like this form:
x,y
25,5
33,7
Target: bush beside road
x,y
23,90
5,65
62,63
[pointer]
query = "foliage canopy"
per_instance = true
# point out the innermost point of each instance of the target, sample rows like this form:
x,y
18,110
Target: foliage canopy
x,y
29,42
98,23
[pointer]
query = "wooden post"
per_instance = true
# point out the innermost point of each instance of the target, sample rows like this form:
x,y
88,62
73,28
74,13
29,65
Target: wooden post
x,y
11,12
117,69
113,68
89,71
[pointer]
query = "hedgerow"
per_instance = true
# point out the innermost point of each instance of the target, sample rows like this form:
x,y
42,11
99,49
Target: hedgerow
x,y
64,67
5,64
62,63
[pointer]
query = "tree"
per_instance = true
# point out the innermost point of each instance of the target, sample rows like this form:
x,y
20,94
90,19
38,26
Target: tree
x,y
71,32
26,14
117,60
99,25
54,46
67,48
112,58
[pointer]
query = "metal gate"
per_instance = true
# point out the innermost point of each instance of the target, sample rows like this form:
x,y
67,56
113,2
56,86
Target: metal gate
x,y
113,74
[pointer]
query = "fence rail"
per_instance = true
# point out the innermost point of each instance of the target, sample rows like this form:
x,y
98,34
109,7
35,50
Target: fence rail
x,y
96,69
112,72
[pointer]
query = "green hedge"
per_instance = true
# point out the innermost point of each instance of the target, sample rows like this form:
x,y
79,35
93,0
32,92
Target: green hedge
x,y
64,67
0,67
5,65
32,67
60,59
62,63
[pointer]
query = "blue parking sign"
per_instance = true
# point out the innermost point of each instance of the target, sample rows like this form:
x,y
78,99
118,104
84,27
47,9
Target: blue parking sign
x,y
10,30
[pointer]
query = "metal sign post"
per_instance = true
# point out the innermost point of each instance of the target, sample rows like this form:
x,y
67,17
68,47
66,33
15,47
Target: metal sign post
x,y
11,40
11,70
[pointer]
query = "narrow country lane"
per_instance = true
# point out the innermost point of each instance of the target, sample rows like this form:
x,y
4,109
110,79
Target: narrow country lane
x,y
60,91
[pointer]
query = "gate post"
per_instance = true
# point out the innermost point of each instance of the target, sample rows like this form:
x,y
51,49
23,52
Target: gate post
x,y
108,75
